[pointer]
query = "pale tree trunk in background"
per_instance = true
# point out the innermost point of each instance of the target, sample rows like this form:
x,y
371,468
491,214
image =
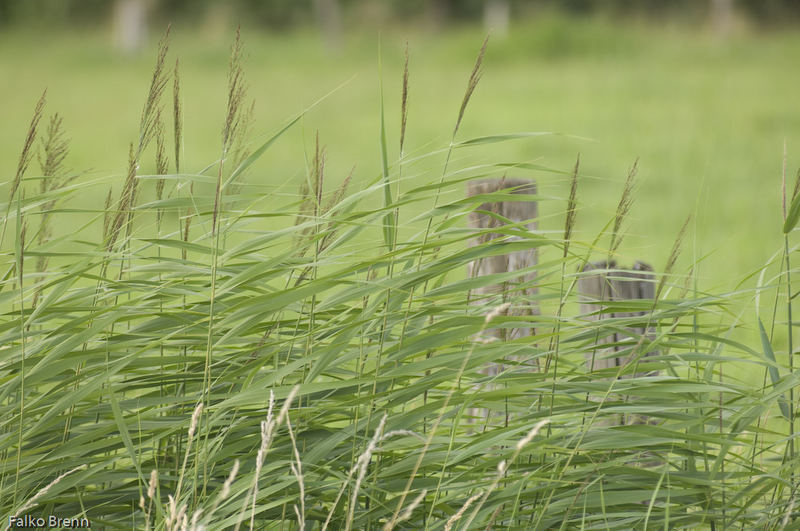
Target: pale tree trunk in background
x,y
497,16
218,25
437,12
721,16
329,17
130,25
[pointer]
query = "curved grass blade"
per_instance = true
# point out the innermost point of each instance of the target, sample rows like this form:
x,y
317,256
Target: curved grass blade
x,y
774,374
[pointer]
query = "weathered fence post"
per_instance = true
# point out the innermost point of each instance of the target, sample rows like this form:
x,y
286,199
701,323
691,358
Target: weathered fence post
x,y
515,211
603,281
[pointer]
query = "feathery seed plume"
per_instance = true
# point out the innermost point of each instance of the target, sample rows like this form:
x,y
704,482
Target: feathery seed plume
x,y
623,207
474,77
456,517
176,116
404,103
24,158
673,256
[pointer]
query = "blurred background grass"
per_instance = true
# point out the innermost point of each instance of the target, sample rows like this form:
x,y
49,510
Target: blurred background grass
x,y
705,104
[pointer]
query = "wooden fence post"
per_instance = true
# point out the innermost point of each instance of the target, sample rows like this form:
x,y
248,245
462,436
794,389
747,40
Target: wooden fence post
x,y
603,281
515,211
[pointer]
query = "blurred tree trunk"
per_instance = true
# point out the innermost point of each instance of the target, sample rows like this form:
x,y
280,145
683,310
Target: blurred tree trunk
x,y
329,16
130,24
497,16
437,12
721,16
217,24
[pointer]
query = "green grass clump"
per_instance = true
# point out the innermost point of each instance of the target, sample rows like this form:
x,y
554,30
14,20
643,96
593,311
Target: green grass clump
x,y
227,356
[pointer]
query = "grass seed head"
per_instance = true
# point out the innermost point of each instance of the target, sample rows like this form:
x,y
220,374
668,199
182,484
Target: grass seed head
x,y
319,175
23,232
572,208
236,96
54,149
673,256
362,463
195,419
497,311
107,214
152,104
407,512
404,102
623,207
36,497
460,513
226,487
162,162
126,200
27,146
151,487
177,120
196,525
531,434
474,77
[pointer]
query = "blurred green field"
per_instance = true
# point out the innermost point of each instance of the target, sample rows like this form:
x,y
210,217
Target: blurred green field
x,y
707,117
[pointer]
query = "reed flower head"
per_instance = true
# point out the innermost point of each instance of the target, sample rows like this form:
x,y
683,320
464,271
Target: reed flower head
x,y
27,146
572,206
472,82
623,207
404,102
497,311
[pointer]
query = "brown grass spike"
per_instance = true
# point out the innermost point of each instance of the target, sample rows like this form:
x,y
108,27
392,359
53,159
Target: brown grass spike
x,y
176,116
624,207
474,77
236,122
404,103
125,202
236,94
673,256
55,147
51,161
319,176
572,209
25,156
107,215
150,111
162,163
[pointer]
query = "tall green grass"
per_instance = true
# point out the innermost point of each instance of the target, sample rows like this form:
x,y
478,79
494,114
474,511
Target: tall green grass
x,y
228,357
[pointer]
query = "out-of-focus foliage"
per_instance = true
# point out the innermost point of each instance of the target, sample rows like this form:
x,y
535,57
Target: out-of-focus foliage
x,y
288,13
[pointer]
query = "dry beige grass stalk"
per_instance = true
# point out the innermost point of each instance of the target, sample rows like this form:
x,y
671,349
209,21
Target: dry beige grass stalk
x,y
35,498
362,464
268,428
461,511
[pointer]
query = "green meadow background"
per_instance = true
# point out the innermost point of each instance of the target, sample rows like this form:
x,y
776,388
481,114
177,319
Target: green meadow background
x,y
707,116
